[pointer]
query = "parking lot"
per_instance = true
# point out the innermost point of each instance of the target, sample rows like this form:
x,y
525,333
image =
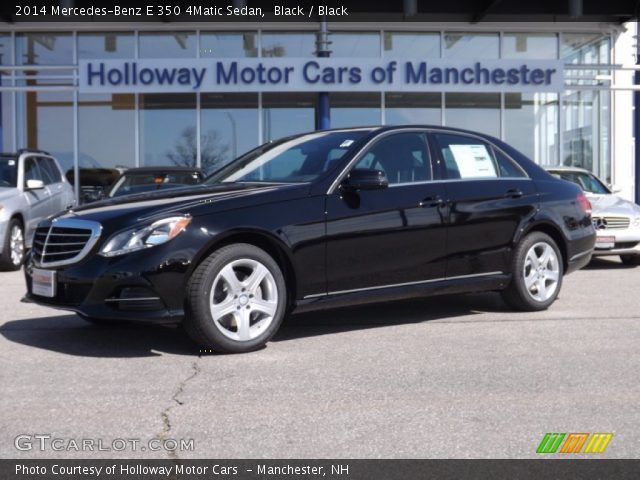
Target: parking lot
x,y
456,376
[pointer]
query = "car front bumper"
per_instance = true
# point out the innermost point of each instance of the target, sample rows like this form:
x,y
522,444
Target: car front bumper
x,y
145,286
627,242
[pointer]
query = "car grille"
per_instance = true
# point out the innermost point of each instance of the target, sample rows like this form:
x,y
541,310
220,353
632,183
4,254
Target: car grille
x,y
611,223
64,241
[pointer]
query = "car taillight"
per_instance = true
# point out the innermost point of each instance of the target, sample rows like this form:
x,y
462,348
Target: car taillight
x,y
584,203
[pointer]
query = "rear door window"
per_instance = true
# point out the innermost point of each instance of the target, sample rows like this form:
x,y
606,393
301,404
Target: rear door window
x,y
468,157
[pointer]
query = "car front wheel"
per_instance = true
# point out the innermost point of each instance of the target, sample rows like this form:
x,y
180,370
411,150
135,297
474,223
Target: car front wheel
x,y
236,299
14,248
536,273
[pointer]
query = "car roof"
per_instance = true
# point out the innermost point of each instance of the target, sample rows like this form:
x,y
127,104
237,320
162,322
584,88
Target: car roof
x,y
159,170
563,168
385,128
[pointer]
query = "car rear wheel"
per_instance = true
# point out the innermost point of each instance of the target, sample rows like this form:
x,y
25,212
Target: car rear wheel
x,y
536,273
14,248
236,299
630,259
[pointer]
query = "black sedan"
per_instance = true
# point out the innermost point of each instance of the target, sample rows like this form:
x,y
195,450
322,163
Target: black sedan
x,y
323,219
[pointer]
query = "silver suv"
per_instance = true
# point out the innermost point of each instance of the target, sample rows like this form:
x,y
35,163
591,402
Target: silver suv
x,y
32,187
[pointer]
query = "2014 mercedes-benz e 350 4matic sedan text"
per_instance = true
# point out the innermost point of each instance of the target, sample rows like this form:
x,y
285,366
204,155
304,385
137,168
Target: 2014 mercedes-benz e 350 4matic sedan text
x,y
321,219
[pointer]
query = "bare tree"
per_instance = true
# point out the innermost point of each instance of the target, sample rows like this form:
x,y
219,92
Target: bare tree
x,y
213,151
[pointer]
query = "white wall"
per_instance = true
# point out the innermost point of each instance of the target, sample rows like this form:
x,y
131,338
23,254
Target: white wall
x,y
623,140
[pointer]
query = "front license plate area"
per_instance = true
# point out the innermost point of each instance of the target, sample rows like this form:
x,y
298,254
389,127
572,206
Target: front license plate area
x,y
43,282
605,242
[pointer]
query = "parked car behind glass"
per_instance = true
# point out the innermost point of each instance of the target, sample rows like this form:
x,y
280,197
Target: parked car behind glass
x,y
616,220
148,179
32,187
319,220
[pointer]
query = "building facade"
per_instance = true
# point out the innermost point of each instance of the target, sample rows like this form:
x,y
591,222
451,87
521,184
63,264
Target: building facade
x,y
588,123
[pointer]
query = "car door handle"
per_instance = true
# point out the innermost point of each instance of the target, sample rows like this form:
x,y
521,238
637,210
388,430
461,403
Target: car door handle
x,y
513,193
432,201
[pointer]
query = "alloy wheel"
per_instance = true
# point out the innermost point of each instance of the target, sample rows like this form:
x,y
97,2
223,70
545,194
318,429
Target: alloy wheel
x,y
243,299
16,245
541,271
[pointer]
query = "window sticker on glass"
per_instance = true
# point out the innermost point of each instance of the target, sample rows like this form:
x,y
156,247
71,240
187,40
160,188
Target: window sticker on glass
x,y
473,161
346,144
12,163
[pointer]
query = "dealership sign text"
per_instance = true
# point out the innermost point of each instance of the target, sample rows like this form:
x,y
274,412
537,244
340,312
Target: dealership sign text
x,y
319,75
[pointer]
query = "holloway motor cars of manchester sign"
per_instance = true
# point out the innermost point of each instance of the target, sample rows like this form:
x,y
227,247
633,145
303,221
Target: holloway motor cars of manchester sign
x,y
319,74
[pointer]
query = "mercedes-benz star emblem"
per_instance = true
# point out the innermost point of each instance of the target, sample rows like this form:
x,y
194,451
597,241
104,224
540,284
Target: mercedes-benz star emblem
x,y
599,223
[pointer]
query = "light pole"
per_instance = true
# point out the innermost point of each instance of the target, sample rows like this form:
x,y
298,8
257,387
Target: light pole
x,y
323,113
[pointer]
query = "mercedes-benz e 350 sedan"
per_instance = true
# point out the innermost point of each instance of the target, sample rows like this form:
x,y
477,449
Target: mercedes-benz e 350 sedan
x,y
322,219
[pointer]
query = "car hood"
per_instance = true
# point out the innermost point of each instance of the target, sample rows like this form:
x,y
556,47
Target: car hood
x,y
613,205
8,192
198,200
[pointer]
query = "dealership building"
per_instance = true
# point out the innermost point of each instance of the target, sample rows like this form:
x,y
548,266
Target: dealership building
x,y
112,94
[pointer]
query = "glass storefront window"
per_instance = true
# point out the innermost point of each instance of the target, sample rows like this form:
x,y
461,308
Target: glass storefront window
x,y
412,108
6,122
583,48
288,44
473,111
229,127
531,125
355,109
167,44
224,44
288,114
106,45
168,129
411,45
471,45
530,45
105,123
5,49
44,48
355,45
586,136
45,122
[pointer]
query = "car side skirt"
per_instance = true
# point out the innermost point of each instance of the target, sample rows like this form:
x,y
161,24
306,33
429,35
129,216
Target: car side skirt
x,y
463,284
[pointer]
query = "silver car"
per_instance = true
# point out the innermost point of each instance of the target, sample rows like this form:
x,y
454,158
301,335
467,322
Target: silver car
x,y
32,187
617,221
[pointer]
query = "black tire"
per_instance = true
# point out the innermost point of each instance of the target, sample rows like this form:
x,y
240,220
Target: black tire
x,y
632,260
6,263
517,295
199,322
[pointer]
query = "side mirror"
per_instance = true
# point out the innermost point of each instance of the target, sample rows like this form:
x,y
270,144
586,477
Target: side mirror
x,y
35,184
615,188
365,179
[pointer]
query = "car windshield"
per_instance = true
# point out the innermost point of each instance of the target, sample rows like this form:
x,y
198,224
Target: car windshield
x,y
145,182
8,172
292,160
588,182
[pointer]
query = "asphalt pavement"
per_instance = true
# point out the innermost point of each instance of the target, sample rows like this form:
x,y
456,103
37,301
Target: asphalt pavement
x,y
445,377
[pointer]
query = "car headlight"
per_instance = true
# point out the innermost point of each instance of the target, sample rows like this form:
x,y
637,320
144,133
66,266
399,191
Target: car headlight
x,y
636,222
139,238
